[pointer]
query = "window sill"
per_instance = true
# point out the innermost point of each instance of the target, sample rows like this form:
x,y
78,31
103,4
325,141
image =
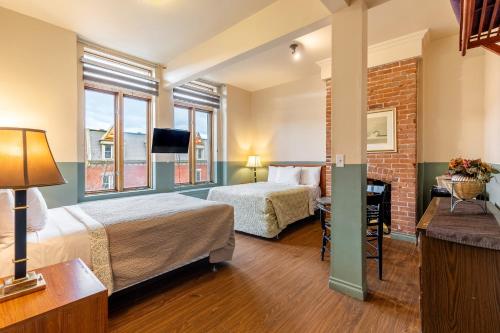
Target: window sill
x,y
112,195
197,187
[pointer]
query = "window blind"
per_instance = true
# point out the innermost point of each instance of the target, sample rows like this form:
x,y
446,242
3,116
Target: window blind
x,y
110,71
197,93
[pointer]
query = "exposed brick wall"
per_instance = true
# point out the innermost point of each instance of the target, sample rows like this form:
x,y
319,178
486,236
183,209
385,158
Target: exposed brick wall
x,y
392,85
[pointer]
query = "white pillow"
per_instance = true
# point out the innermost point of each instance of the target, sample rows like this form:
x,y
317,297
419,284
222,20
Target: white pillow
x,y
289,176
273,173
6,215
37,210
310,176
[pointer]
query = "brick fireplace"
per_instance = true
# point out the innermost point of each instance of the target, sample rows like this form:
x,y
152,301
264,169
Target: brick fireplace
x,y
391,85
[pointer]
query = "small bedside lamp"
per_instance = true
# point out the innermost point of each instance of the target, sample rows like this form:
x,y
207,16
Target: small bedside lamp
x,y
25,161
254,162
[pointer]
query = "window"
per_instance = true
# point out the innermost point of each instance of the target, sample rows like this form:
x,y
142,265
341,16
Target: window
x,y
117,125
195,106
107,151
199,123
107,181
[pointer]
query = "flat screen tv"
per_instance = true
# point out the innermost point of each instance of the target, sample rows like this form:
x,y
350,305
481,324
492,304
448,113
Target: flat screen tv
x,y
167,140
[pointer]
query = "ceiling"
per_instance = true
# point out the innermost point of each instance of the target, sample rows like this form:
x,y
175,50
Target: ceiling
x,y
387,21
156,30
276,66
159,30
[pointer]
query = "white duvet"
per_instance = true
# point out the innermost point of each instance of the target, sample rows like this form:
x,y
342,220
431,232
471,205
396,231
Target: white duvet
x,y
63,238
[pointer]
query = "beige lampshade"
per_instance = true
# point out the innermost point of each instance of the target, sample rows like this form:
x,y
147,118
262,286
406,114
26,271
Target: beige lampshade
x,y
26,159
254,161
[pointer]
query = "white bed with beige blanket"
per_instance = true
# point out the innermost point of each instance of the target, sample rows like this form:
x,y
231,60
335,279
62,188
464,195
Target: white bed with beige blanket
x,y
129,240
267,208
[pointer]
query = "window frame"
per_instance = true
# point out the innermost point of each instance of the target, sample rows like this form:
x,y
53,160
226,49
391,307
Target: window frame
x,y
192,108
118,146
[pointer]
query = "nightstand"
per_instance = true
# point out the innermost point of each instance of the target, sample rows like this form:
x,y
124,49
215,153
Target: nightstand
x,y
74,301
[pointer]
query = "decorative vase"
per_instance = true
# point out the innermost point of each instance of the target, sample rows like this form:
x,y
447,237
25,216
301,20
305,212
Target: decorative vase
x,y
465,187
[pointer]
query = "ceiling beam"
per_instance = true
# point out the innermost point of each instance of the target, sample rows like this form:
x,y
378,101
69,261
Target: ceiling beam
x,y
282,20
374,3
336,5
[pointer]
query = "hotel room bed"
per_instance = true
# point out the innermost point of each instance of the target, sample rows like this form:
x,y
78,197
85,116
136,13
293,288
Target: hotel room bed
x,y
267,208
129,240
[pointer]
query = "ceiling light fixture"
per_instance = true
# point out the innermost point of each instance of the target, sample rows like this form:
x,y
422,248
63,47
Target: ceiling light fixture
x,y
295,48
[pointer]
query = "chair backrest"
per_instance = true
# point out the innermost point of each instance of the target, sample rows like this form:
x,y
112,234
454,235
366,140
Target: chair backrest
x,y
374,199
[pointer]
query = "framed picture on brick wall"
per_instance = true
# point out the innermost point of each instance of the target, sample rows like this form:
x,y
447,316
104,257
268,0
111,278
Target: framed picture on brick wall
x,y
381,130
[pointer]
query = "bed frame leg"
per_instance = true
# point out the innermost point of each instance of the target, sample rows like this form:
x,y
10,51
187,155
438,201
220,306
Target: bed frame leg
x,y
277,237
214,268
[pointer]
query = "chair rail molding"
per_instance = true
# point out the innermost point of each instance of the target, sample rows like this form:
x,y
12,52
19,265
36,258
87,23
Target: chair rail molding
x,y
400,48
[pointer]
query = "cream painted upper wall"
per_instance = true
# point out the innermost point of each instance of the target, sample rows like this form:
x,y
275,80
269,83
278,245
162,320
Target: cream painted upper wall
x,y
38,80
453,109
238,124
492,108
289,121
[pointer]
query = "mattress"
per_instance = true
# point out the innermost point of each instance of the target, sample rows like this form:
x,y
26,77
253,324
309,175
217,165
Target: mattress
x,y
63,238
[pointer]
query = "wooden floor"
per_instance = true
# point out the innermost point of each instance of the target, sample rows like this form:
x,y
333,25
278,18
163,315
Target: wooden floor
x,y
273,286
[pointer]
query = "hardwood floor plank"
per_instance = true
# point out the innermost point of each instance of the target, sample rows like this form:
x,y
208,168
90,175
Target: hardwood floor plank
x,y
273,286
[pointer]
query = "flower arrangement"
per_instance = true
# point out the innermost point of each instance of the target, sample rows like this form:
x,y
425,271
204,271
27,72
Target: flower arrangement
x,y
476,169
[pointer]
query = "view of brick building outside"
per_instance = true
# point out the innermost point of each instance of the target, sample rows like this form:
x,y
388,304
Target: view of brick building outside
x,y
202,171
100,165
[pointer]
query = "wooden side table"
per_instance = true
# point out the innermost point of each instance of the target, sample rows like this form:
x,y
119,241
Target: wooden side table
x,y
74,301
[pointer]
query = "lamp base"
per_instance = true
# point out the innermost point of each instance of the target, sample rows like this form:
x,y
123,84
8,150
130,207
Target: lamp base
x,y
11,288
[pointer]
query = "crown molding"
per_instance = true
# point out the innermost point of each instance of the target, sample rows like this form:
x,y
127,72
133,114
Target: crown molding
x,y
404,47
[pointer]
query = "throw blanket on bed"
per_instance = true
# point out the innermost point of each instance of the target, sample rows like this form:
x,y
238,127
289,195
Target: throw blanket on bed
x,y
265,209
152,234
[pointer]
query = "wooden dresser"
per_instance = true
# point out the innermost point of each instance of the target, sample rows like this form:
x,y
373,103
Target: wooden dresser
x,y
74,301
459,269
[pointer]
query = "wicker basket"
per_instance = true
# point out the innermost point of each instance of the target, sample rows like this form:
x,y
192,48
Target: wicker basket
x,y
465,188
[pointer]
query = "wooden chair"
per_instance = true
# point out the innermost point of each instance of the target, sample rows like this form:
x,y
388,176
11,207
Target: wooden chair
x,y
375,229
375,226
324,206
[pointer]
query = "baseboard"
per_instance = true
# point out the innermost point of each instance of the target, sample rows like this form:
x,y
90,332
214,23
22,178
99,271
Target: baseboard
x,y
347,288
404,237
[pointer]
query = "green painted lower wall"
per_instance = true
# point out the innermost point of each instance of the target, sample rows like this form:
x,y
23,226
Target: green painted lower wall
x,y
227,173
73,191
348,270
67,194
427,173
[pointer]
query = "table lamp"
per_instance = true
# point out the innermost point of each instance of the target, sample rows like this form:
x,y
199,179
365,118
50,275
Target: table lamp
x,y
25,161
254,162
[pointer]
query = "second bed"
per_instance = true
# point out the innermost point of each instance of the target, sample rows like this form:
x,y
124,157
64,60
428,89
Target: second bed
x,y
267,208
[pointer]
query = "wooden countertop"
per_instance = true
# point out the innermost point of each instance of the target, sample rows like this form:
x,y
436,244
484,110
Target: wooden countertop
x,y
467,225
428,215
